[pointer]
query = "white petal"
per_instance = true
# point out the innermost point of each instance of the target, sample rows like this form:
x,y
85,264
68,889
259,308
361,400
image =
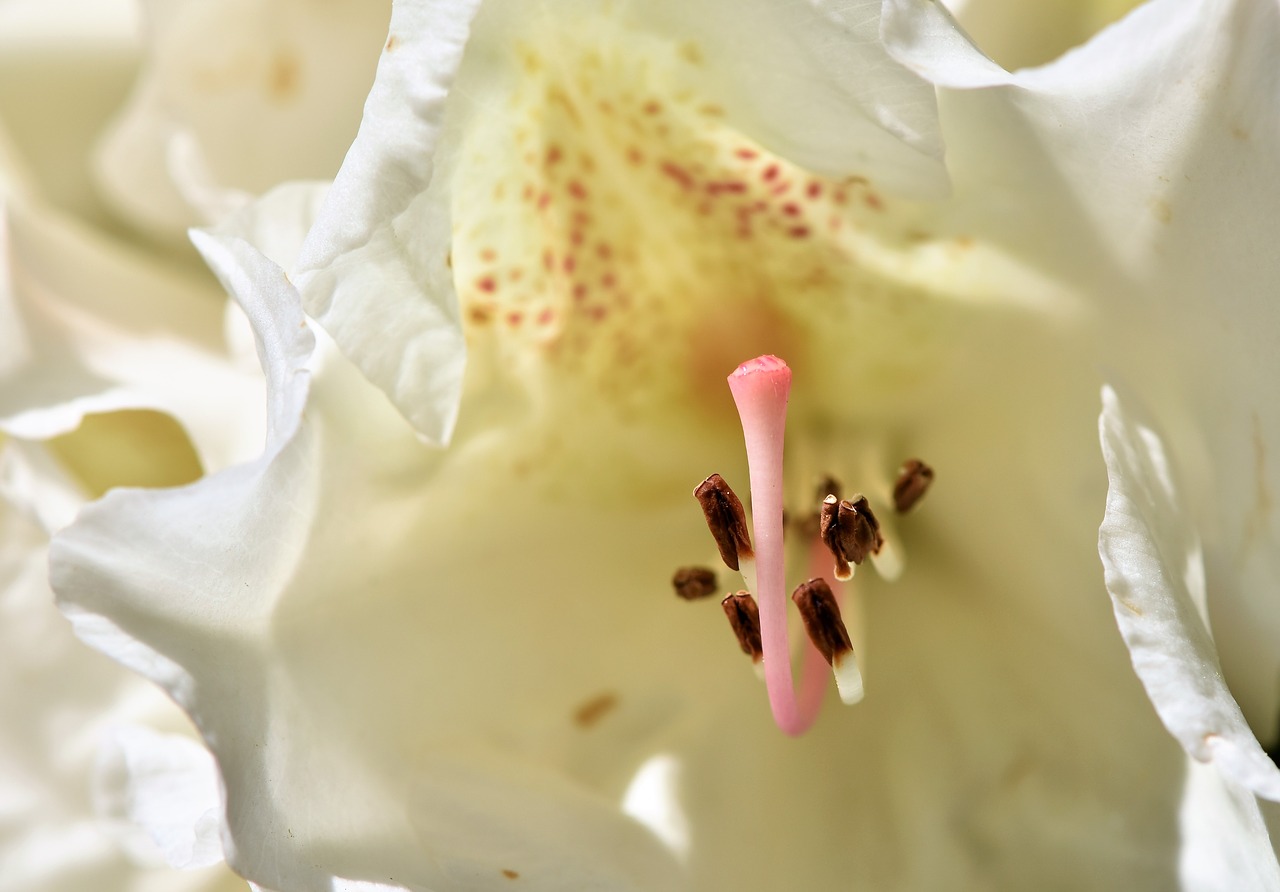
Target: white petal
x,y
58,699
814,84
653,799
167,784
470,807
476,813
1225,841
76,56
285,345
388,301
277,223
1137,147
1155,574
1019,35
233,98
15,178
96,327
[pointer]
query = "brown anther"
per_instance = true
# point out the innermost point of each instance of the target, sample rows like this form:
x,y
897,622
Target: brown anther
x,y
725,518
866,528
829,531
850,531
913,482
692,583
744,617
821,616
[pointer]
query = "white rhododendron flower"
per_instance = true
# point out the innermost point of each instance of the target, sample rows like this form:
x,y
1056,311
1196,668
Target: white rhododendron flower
x,y
113,371
459,664
234,97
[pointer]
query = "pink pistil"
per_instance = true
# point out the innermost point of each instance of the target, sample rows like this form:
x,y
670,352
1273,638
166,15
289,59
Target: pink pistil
x,y
760,389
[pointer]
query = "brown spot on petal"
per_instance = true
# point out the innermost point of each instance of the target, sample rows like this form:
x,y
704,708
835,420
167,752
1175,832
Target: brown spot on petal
x,y
510,874
690,52
284,76
589,714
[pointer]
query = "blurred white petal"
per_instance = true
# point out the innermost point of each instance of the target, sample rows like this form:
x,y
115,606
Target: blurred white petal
x,y
234,97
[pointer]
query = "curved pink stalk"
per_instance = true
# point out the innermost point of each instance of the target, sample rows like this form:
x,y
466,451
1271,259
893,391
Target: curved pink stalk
x,y
760,389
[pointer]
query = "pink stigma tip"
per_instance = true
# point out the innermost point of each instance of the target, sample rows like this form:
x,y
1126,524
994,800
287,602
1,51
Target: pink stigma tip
x,y
768,364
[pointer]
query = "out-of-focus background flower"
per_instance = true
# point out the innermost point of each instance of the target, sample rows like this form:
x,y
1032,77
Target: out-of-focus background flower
x,y
122,364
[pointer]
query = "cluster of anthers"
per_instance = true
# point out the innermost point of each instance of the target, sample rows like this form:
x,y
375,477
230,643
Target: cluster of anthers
x,y
846,530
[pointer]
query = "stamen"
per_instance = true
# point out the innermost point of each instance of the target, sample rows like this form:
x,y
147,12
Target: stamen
x,y
850,530
725,518
821,616
693,583
744,618
913,482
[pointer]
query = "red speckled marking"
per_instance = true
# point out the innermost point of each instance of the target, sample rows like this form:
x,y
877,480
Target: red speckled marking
x,y
677,173
602,222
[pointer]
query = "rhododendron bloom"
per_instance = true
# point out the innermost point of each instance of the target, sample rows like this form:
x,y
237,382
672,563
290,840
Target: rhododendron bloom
x,y
429,635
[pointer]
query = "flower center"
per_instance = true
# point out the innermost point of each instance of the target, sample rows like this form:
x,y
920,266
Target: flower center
x,y
849,530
